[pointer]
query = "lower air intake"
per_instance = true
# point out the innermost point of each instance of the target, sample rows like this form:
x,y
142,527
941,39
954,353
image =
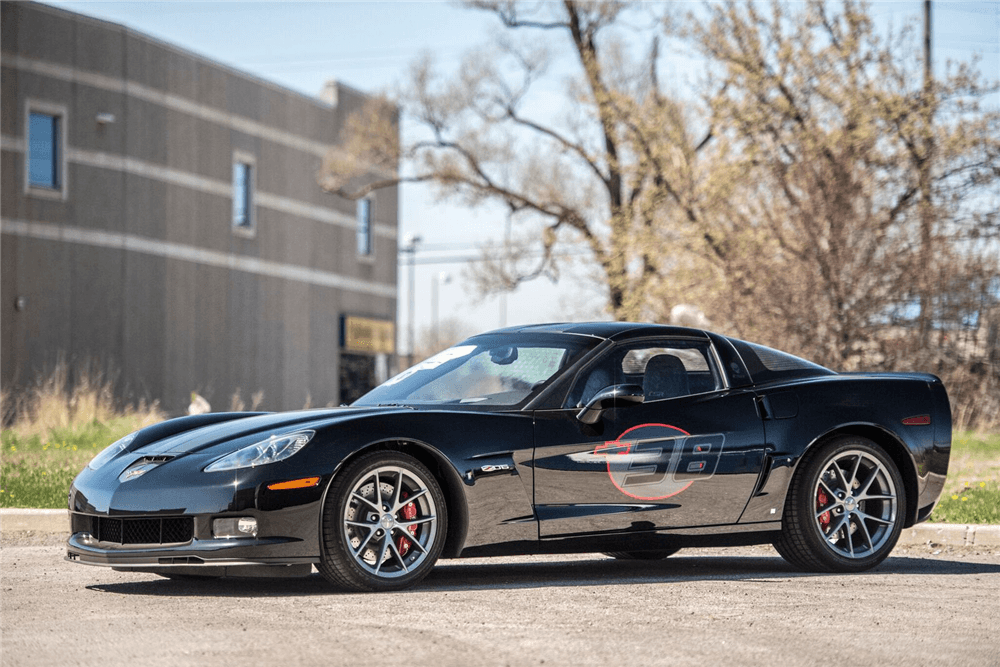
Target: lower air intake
x,y
144,530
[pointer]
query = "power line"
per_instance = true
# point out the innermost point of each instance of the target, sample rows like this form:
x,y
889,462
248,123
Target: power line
x,y
359,62
462,259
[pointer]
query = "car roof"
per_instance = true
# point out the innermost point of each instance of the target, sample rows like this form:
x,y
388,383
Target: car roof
x,y
609,330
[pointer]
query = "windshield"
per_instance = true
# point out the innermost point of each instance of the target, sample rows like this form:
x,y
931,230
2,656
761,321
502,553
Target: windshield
x,y
501,370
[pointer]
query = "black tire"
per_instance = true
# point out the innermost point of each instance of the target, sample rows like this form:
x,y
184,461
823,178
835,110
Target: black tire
x,y
845,509
659,554
359,515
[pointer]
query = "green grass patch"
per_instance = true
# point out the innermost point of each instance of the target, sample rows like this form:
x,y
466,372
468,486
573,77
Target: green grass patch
x,y
977,445
36,470
972,490
974,458
55,427
979,503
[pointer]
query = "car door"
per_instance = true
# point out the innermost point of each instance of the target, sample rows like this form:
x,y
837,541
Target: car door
x,y
689,455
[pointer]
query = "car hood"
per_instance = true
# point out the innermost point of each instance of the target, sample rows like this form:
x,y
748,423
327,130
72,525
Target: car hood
x,y
238,428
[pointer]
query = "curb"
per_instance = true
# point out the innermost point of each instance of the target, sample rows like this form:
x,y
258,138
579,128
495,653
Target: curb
x,y
944,534
36,521
952,535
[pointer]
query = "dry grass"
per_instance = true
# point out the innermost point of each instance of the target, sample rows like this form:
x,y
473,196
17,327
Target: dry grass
x,y
237,404
68,400
54,428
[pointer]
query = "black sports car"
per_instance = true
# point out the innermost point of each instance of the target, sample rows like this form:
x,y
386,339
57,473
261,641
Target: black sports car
x,y
630,439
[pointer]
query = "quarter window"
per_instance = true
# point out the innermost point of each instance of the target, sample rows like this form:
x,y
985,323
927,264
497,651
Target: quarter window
x,y
365,227
44,159
243,195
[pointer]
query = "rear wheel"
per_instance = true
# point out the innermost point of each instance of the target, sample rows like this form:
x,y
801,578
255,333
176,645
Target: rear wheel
x,y
659,554
845,508
384,523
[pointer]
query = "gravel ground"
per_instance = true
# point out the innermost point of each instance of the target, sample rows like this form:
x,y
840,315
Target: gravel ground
x,y
926,605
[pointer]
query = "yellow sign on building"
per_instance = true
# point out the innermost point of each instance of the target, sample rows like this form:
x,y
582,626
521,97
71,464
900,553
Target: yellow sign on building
x,y
367,335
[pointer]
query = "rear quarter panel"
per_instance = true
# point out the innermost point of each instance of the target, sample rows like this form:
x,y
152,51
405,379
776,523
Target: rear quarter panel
x,y
806,413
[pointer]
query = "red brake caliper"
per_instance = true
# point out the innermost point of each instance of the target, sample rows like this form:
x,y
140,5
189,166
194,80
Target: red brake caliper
x,y
409,513
821,500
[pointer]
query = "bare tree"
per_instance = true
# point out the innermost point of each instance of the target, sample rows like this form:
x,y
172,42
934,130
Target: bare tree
x,y
449,332
827,245
598,176
822,195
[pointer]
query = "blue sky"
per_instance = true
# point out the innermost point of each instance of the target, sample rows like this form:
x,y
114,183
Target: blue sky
x,y
369,46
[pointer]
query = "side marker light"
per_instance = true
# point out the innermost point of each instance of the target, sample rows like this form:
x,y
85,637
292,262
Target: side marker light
x,y
303,483
919,420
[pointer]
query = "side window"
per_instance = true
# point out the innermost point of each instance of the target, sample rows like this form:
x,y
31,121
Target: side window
x,y
670,371
45,172
244,220
663,370
365,227
594,378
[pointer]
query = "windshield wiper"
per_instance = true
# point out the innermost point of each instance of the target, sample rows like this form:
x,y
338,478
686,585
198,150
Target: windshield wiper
x,y
395,405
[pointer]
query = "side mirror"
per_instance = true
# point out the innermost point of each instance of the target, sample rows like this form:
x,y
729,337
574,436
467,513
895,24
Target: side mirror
x,y
615,396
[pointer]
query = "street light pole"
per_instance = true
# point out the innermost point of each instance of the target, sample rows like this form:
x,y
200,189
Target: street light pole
x,y
410,248
503,295
442,278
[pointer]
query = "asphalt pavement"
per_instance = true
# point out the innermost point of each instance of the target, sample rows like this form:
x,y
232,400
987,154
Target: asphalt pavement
x,y
929,603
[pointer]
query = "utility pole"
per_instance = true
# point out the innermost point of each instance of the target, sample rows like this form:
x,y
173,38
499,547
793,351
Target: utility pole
x,y
926,279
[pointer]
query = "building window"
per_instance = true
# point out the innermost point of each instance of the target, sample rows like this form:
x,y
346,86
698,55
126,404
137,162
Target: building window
x,y
43,151
365,227
243,184
45,168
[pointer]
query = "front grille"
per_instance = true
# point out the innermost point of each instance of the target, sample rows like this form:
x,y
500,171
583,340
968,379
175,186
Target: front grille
x,y
177,530
142,530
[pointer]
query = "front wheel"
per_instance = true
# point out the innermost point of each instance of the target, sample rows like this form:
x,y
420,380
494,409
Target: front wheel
x,y
384,523
845,508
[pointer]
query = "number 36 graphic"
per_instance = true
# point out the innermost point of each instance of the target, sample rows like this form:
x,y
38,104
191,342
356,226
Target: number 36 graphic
x,y
657,461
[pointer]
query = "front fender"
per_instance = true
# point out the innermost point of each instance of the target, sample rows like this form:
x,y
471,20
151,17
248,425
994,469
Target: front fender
x,y
482,462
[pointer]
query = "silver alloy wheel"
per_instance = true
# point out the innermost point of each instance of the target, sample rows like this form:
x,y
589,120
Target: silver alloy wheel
x,y
856,504
382,540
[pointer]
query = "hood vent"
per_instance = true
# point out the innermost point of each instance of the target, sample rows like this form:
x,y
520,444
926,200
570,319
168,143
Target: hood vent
x,y
141,466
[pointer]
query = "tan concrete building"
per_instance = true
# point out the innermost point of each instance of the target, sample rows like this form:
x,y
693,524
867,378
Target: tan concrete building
x,y
161,217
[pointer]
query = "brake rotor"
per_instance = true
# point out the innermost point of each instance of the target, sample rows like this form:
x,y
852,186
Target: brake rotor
x,y
367,492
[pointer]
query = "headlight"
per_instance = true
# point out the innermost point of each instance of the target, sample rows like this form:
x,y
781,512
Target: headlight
x,y
111,451
275,448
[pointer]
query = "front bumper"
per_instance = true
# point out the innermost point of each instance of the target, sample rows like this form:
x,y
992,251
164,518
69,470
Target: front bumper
x,y
164,522
84,548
